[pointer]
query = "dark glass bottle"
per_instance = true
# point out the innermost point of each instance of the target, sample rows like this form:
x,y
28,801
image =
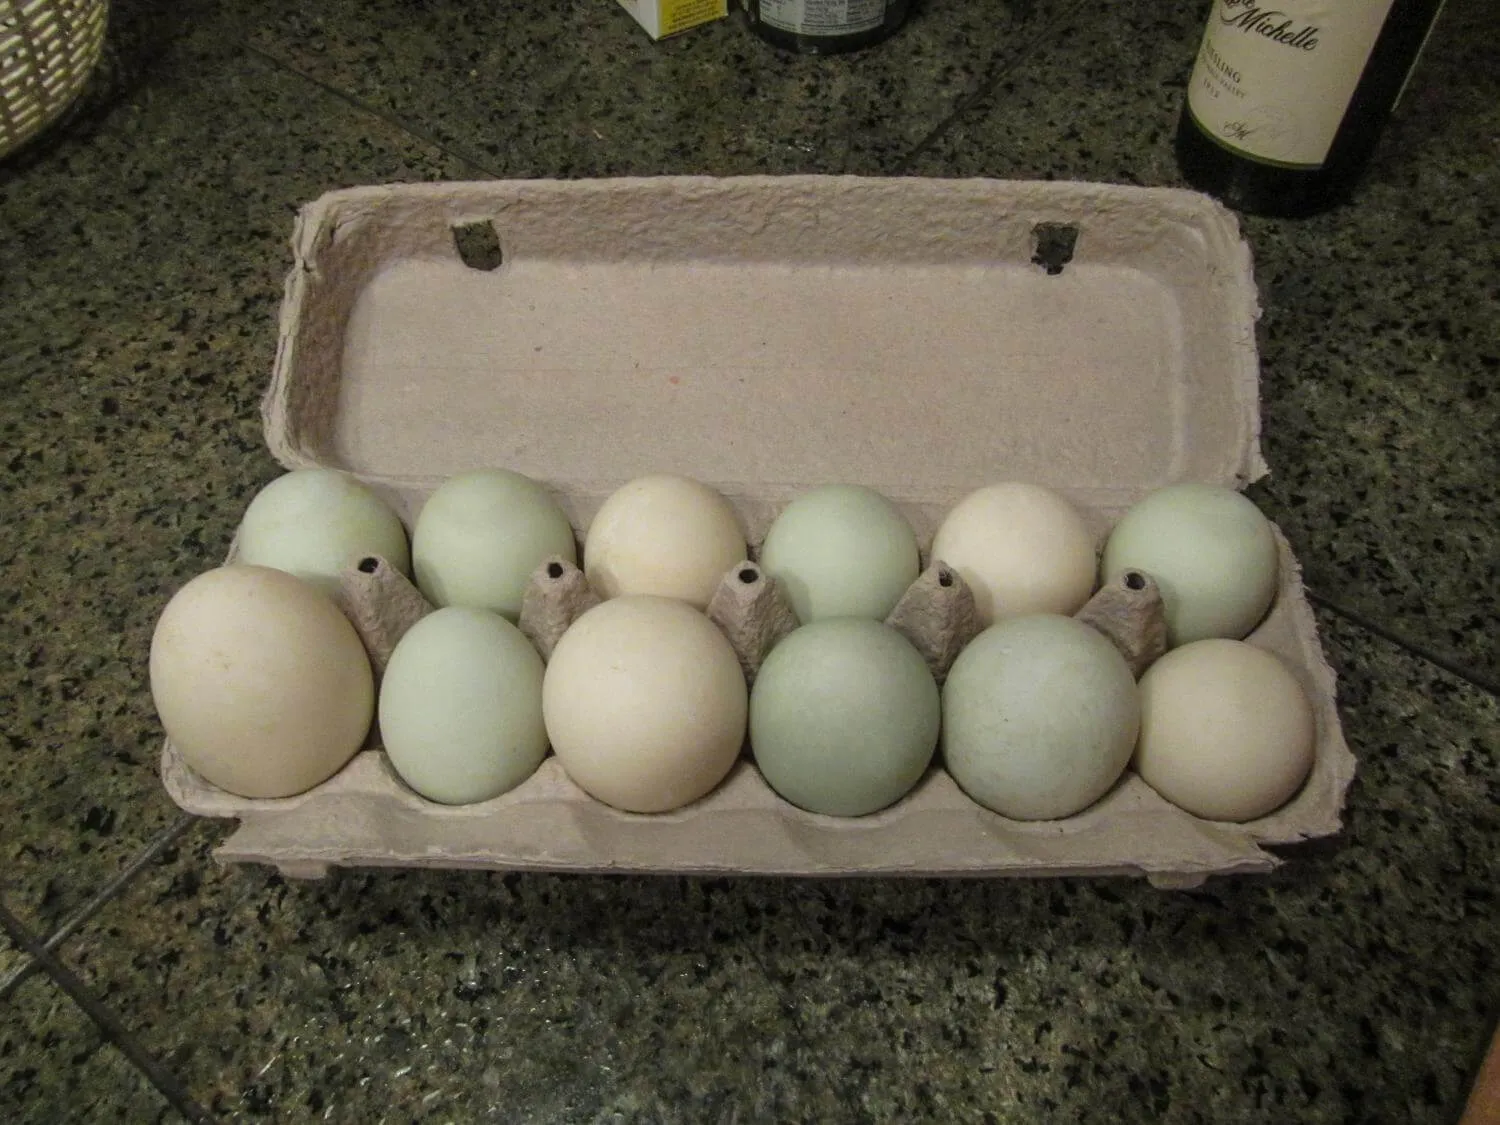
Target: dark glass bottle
x,y
826,27
1286,103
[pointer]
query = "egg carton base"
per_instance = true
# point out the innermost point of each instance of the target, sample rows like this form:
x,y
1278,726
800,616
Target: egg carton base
x,y
365,818
389,365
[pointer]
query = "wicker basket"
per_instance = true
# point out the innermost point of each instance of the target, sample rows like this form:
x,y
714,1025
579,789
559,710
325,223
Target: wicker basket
x,y
48,49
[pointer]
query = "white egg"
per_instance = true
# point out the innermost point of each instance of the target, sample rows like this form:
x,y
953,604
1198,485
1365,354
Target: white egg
x,y
663,535
1022,549
842,550
1210,550
461,706
1040,715
315,523
645,703
1227,733
261,683
481,534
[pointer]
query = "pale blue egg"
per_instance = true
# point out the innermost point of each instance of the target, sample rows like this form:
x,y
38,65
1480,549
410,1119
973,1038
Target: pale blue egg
x,y
844,717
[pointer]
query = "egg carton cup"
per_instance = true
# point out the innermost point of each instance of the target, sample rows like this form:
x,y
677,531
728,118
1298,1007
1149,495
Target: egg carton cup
x,y
767,335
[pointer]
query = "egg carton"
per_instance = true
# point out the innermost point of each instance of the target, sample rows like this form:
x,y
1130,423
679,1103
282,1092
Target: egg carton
x,y
765,335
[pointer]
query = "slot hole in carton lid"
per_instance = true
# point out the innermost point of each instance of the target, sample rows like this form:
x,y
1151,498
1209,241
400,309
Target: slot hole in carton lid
x,y
554,570
369,565
478,245
1054,244
1135,580
748,574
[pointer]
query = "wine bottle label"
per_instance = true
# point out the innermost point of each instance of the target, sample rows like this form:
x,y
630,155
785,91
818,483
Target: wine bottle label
x,y
1272,83
823,17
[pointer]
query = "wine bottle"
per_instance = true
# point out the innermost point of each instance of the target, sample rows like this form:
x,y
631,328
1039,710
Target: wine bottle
x,y
825,27
1286,103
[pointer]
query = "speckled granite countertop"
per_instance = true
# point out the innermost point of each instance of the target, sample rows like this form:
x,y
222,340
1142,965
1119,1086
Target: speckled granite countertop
x,y
142,249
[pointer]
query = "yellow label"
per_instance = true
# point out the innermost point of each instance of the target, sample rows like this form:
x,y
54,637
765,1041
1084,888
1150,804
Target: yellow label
x,y
679,15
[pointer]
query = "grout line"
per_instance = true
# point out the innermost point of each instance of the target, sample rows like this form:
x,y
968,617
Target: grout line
x,y
167,1083
1416,648
474,164
158,844
985,88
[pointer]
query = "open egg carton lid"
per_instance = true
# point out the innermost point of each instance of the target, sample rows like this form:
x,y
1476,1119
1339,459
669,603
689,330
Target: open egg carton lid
x,y
765,335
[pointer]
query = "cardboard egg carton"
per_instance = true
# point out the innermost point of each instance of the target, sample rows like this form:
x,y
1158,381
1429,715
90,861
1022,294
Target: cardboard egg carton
x,y
765,335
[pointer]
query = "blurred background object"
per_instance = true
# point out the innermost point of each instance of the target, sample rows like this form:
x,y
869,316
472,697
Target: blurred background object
x,y
48,50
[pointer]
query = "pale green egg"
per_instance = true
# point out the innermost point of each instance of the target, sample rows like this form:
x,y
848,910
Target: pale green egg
x,y
461,706
480,536
315,523
1040,715
844,717
842,550
1211,552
